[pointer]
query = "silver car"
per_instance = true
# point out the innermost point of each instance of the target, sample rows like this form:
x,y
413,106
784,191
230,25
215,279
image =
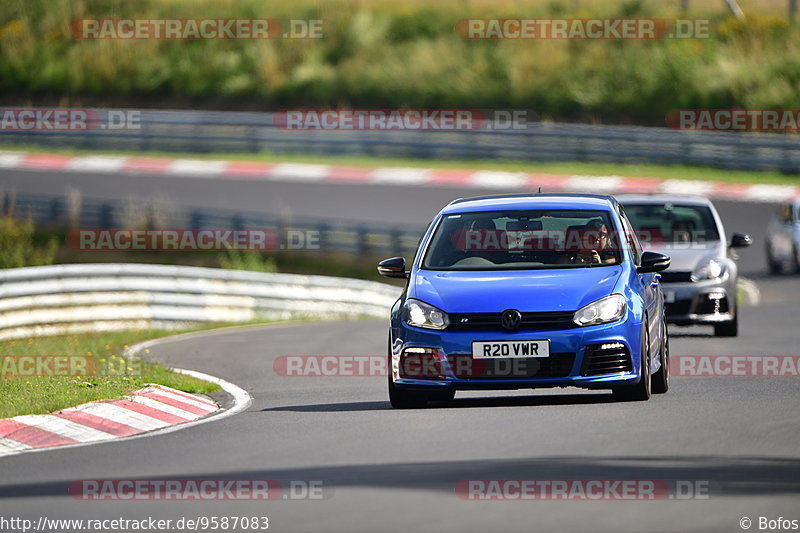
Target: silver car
x,y
783,238
700,286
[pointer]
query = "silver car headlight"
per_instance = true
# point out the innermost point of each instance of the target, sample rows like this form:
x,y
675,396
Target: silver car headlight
x,y
607,309
422,315
713,269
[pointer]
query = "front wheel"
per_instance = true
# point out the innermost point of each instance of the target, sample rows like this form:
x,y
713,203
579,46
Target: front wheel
x,y
775,266
640,392
728,329
406,399
441,396
796,260
661,377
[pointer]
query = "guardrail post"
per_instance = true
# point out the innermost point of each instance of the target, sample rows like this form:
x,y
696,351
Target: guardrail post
x,y
395,242
238,222
362,244
253,138
106,216
196,220
322,229
280,229
55,210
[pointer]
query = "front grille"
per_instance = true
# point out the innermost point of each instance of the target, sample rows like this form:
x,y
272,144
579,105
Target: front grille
x,y
530,321
610,358
701,304
558,365
675,276
709,306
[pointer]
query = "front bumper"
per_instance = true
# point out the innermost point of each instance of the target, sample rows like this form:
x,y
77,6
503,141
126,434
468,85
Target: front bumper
x,y
701,302
573,358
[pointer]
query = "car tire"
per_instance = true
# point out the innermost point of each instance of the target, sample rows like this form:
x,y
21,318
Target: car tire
x,y
441,396
639,392
406,399
796,260
775,267
729,328
660,383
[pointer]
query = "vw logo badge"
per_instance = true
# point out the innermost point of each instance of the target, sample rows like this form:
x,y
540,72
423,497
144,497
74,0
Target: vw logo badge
x,y
510,319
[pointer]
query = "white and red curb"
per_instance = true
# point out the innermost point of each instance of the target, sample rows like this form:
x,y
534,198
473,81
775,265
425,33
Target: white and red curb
x,y
154,407
478,179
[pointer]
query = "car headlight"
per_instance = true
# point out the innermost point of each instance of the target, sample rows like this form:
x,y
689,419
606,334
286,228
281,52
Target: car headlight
x,y
422,315
607,309
713,269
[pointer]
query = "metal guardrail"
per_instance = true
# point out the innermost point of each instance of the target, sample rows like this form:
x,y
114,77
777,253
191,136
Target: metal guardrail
x,y
69,299
214,131
329,235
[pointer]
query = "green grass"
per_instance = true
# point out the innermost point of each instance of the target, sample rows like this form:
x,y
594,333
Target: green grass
x,y
396,53
576,168
38,395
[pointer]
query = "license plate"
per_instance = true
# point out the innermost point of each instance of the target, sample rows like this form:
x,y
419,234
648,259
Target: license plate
x,y
498,349
669,297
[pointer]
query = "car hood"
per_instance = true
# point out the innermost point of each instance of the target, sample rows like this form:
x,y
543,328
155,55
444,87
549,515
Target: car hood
x,y
525,290
686,257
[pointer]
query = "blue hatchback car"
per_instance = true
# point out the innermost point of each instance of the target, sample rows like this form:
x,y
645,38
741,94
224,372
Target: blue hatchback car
x,y
528,291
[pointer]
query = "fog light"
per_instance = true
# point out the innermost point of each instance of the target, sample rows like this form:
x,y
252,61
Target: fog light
x,y
420,363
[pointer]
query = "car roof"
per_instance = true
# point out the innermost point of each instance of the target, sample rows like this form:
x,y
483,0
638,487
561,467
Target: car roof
x,y
655,199
530,201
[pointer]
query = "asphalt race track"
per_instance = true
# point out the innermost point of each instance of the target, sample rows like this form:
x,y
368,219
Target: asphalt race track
x,y
390,470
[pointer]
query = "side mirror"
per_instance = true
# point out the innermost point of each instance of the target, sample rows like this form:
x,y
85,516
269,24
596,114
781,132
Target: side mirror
x,y
653,262
741,240
393,268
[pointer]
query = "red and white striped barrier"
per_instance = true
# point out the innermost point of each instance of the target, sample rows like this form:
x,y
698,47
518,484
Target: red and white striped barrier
x,y
478,179
154,407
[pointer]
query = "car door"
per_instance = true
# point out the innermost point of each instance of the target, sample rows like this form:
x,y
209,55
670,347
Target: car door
x,y
651,287
795,232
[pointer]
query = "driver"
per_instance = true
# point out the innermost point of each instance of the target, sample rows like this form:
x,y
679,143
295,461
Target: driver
x,y
597,239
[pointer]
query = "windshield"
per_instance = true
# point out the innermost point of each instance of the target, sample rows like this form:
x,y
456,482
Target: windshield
x,y
669,223
523,240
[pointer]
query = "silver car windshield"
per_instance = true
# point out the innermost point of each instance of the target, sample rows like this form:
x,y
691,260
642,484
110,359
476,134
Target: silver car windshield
x,y
671,223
